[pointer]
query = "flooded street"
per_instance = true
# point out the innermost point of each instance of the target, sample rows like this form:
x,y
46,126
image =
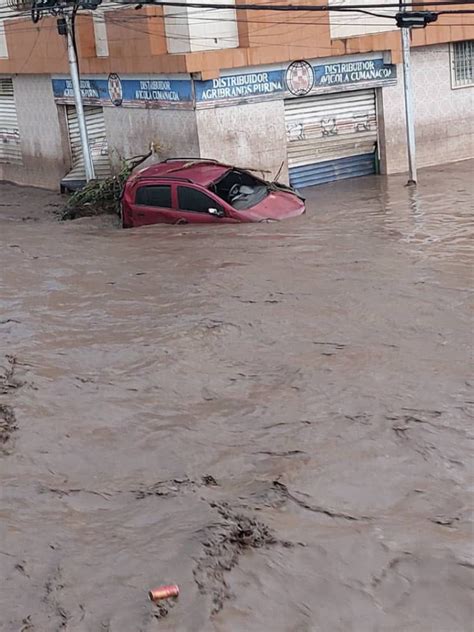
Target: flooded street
x,y
276,417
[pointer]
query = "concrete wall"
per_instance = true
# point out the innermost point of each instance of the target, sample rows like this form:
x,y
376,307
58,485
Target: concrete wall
x,y
44,150
191,29
251,136
5,13
444,118
131,130
349,23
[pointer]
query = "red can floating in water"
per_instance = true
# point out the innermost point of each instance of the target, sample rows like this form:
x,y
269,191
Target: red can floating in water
x,y
164,592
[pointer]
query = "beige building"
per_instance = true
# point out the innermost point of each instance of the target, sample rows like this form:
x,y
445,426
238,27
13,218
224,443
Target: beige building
x,y
317,95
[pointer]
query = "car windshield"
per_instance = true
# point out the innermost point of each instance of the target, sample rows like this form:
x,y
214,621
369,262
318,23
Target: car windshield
x,y
240,189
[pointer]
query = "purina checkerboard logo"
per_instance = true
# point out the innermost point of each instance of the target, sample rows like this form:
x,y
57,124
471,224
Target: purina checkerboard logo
x,y
300,78
115,89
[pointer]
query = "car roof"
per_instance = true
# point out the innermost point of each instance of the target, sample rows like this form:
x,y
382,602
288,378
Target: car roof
x,y
195,170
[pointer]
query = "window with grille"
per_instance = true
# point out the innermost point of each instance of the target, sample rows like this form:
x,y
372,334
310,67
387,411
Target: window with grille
x,y
462,54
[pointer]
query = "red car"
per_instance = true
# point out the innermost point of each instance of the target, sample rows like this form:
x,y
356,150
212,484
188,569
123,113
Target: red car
x,y
182,191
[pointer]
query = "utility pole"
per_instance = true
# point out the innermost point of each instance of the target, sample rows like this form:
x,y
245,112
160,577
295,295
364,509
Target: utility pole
x,y
406,20
409,114
76,85
67,9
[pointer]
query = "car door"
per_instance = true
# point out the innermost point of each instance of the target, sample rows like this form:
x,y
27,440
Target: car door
x,y
152,203
198,206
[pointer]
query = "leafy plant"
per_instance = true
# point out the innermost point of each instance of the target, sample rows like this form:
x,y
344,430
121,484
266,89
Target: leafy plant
x,y
102,196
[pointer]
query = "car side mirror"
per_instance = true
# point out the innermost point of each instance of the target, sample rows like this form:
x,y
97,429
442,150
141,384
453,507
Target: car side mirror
x,y
217,212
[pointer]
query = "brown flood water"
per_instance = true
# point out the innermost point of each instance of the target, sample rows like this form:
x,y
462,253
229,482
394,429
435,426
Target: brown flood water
x,y
276,417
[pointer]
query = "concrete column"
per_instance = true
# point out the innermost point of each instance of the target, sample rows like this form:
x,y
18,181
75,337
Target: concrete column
x,y
189,29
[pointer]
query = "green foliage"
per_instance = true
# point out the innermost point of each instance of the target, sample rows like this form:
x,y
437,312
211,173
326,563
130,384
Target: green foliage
x,y
98,197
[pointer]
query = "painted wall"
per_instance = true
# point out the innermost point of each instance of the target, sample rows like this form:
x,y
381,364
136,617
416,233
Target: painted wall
x,y
131,130
251,136
204,41
348,24
5,13
444,118
195,29
44,151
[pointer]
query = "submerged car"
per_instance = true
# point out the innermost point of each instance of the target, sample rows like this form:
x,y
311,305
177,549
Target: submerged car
x,y
182,191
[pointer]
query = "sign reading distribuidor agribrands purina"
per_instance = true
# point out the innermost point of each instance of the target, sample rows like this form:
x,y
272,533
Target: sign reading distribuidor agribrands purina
x,y
238,87
116,91
347,72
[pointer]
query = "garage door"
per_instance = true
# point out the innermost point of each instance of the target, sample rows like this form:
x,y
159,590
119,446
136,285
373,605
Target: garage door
x,y
10,145
331,137
97,142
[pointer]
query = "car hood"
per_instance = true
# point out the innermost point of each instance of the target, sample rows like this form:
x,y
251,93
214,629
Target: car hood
x,y
277,205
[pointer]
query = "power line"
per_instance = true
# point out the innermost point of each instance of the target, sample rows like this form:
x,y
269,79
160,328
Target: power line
x,y
364,8
267,24
237,19
230,39
298,7
218,8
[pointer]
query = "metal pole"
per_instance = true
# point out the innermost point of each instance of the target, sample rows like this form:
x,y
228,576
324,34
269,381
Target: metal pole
x,y
409,116
86,152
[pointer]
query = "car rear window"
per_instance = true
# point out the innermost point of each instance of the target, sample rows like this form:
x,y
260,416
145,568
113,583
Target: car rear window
x,y
154,195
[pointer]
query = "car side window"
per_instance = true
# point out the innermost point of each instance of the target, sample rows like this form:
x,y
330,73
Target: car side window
x,y
193,200
154,195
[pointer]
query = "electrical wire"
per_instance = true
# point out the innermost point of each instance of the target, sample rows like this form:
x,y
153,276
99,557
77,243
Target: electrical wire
x,y
364,8
297,7
35,13
279,7
284,7
37,29
266,23
30,55
255,43
113,15
269,23
73,36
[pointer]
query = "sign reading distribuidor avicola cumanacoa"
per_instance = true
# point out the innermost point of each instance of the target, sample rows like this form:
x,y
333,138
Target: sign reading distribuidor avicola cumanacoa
x,y
343,73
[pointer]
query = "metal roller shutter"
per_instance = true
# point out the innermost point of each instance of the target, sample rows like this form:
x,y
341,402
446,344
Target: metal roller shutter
x,y
331,137
97,141
10,143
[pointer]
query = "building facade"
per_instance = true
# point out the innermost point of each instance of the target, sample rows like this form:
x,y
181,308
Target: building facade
x,y
312,96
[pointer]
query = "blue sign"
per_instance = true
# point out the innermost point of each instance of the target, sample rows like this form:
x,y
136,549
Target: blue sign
x,y
116,91
347,72
238,87
299,79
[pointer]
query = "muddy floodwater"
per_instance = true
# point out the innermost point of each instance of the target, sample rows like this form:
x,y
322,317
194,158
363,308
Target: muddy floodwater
x,y
276,417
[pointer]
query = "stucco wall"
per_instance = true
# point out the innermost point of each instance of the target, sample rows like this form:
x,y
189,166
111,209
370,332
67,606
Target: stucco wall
x,y
190,29
349,23
45,155
131,130
444,118
251,136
